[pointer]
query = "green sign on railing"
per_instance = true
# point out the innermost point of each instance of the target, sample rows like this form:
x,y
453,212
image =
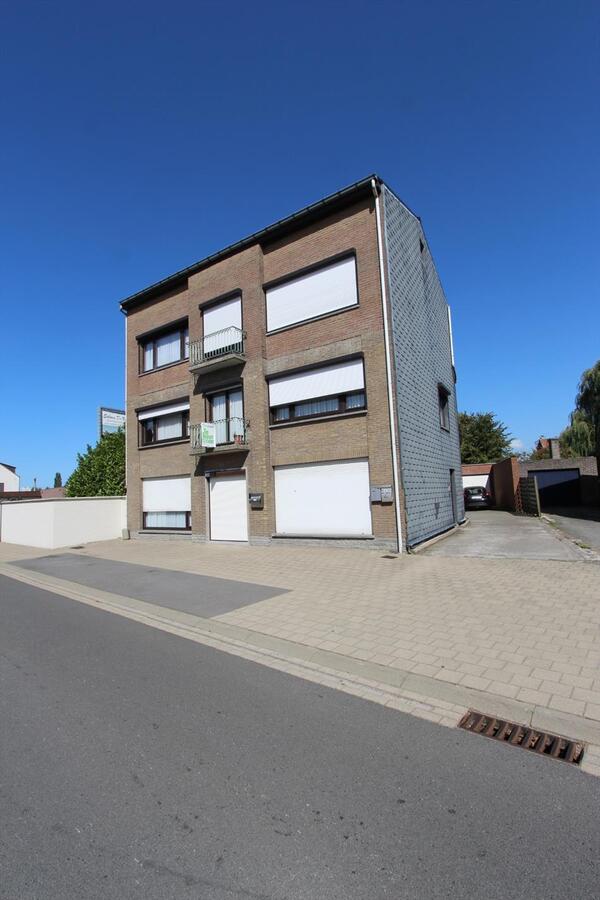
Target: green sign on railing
x,y
208,434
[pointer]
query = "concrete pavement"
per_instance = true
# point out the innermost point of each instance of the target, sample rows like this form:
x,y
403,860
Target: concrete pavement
x,y
135,764
495,534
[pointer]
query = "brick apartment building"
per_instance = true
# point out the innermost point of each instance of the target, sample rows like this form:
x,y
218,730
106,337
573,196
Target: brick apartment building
x,y
319,350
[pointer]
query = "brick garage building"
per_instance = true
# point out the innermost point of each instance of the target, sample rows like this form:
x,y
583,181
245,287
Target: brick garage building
x,y
565,482
319,353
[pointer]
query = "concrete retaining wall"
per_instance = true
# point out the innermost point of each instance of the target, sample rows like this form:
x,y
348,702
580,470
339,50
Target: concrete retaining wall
x,y
62,523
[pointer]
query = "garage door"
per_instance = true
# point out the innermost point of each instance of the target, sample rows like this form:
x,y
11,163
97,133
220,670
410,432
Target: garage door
x,y
228,508
558,487
323,499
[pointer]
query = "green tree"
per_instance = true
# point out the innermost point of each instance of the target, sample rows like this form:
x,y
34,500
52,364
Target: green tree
x,y
58,480
483,438
578,437
587,403
101,469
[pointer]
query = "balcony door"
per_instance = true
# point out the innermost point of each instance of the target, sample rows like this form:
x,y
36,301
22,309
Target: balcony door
x,y
222,328
227,412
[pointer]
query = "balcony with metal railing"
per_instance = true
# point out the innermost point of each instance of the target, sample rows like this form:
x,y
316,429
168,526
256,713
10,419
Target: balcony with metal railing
x,y
231,436
219,349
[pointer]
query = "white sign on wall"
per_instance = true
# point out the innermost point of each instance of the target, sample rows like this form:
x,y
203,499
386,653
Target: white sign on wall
x,y
208,434
110,420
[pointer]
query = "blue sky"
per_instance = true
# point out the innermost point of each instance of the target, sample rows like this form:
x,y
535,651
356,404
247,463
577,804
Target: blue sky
x,y
138,137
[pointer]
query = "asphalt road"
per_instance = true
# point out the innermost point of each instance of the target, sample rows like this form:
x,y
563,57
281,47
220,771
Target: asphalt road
x,y
134,763
582,523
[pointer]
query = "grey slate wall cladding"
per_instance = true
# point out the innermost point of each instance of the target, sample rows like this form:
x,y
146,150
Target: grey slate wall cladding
x,y
421,345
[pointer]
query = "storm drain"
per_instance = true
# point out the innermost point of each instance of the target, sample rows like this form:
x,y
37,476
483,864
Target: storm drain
x,y
541,742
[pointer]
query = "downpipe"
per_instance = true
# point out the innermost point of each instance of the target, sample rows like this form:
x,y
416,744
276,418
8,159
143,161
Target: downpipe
x,y
388,364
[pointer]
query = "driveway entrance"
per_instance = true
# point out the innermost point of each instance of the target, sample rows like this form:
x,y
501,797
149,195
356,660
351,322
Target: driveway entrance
x,y
501,535
581,523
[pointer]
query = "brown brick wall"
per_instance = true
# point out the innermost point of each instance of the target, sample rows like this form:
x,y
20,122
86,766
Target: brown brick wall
x,y
505,476
359,330
476,468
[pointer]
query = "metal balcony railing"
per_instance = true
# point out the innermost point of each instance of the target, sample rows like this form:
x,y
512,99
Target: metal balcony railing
x,y
227,341
230,433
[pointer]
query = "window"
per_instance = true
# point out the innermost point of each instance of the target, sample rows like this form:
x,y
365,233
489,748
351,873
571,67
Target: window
x,y
167,503
166,423
177,521
336,388
227,412
165,348
443,399
331,287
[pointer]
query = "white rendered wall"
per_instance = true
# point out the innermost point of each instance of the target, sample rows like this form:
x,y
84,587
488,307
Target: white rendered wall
x,y
10,479
476,481
62,523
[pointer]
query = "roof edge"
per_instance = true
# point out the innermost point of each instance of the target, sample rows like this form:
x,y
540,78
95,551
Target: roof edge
x,y
278,229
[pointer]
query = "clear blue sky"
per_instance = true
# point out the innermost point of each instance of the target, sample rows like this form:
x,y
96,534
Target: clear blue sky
x,y
138,137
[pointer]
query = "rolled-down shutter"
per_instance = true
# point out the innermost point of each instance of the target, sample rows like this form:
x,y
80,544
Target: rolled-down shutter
x,y
228,508
167,494
326,381
166,410
318,292
324,499
221,325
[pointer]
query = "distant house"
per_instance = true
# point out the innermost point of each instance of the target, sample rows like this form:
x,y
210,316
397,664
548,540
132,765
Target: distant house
x,y
53,493
548,448
9,480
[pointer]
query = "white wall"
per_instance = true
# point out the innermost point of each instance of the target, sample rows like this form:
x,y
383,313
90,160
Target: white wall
x,y
62,523
10,479
476,481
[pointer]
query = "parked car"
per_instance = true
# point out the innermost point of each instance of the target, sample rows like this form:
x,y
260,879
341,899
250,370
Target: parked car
x,y
477,498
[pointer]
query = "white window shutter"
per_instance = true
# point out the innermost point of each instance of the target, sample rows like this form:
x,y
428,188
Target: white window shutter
x,y
163,410
326,381
167,494
314,294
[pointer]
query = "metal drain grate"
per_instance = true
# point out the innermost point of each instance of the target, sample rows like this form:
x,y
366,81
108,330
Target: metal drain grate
x,y
552,745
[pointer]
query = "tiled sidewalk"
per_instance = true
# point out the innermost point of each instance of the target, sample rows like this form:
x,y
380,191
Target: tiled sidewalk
x,y
522,630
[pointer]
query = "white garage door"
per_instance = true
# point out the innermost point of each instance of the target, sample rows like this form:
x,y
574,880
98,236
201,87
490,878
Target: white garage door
x,y
228,508
323,499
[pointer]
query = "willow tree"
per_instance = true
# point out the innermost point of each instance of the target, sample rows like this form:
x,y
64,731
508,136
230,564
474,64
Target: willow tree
x,y
578,437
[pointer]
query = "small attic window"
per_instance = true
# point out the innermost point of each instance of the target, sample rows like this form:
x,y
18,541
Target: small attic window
x,y
421,245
